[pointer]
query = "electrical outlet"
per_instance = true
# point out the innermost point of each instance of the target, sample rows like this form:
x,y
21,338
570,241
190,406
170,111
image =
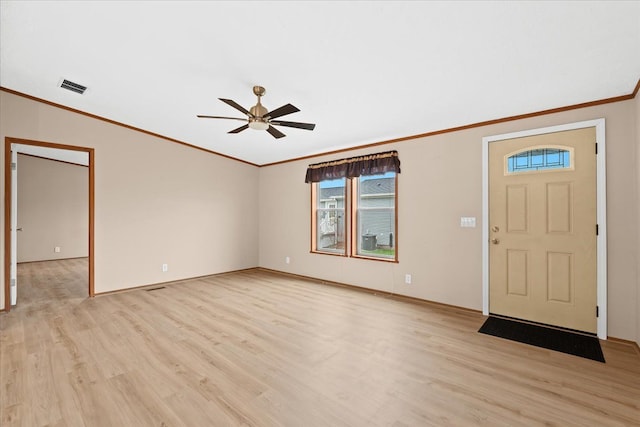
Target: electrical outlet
x,y
407,279
56,249
287,260
165,268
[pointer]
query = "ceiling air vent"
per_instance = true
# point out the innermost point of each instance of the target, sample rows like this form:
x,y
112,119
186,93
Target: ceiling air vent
x,y
73,87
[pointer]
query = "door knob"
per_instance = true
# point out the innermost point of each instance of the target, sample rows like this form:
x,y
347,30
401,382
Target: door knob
x,y
19,229
495,241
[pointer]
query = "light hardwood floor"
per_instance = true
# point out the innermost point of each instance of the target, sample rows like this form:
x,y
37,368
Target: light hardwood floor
x,y
260,349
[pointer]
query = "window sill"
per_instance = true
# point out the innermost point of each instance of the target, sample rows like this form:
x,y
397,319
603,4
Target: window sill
x,y
370,258
344,255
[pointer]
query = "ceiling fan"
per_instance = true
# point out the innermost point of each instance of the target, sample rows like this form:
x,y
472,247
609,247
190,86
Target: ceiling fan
x,y
259,118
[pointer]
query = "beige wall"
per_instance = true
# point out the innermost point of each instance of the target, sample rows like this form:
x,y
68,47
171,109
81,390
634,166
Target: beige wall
x,y
160,202
441,181
53,209
156,201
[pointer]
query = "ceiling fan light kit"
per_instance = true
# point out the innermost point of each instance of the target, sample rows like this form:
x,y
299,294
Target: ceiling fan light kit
x,y
258,125
259,118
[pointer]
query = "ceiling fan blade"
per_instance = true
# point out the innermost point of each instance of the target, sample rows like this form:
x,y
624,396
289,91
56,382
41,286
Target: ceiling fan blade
x,y
237,106
275,132
307,126
240,129
220,117
282,111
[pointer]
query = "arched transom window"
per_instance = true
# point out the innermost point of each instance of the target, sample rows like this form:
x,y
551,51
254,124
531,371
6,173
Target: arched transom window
x,y
538,159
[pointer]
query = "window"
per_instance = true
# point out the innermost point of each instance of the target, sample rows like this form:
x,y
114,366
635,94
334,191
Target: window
x,y
539,159
354,206
371,230
374,216
329,218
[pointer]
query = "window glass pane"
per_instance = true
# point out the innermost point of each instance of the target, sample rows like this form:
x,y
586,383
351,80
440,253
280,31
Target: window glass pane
x,y
376,216
330,216
539,159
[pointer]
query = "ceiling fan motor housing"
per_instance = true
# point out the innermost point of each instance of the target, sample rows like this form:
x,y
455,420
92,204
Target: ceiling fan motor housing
x,y
258,111
257,121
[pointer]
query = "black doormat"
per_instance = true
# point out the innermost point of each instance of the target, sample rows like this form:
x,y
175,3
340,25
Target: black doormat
x,y
552,339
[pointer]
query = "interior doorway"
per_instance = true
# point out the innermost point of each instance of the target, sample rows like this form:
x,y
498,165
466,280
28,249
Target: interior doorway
x,y
45,150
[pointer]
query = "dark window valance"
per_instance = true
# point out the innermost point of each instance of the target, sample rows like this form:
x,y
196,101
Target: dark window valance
x,y
372,164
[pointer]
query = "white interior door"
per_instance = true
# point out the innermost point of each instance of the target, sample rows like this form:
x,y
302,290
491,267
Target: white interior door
x,y
13,291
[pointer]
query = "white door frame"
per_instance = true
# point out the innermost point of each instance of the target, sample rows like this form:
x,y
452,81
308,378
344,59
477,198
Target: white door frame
x,y
13,281
601,197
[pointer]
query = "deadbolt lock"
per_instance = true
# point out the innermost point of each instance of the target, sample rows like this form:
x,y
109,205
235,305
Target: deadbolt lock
x,y
495,229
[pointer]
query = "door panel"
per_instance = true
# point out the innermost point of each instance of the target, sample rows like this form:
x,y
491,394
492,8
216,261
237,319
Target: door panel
x,y
517,272
517,210
559,277
542,216
559,208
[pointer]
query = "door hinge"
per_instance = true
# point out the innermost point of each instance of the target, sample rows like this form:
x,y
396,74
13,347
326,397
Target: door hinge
x,y
13,166
12,282
597,311
597,230
596,148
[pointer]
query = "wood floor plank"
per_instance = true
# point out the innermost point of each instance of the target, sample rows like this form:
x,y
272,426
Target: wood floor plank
x,y
255,348
39,382
12,416
12,365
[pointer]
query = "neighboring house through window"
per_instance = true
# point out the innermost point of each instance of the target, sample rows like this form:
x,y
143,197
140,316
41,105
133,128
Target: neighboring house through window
x,y
374,209
329,219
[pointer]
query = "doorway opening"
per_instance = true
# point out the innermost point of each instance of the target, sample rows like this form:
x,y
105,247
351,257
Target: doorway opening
x,y
45,150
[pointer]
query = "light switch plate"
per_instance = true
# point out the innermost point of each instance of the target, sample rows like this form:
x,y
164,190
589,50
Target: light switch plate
x,y
468,221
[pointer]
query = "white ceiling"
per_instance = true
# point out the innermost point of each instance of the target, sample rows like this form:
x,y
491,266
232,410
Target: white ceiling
x,y
363,71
